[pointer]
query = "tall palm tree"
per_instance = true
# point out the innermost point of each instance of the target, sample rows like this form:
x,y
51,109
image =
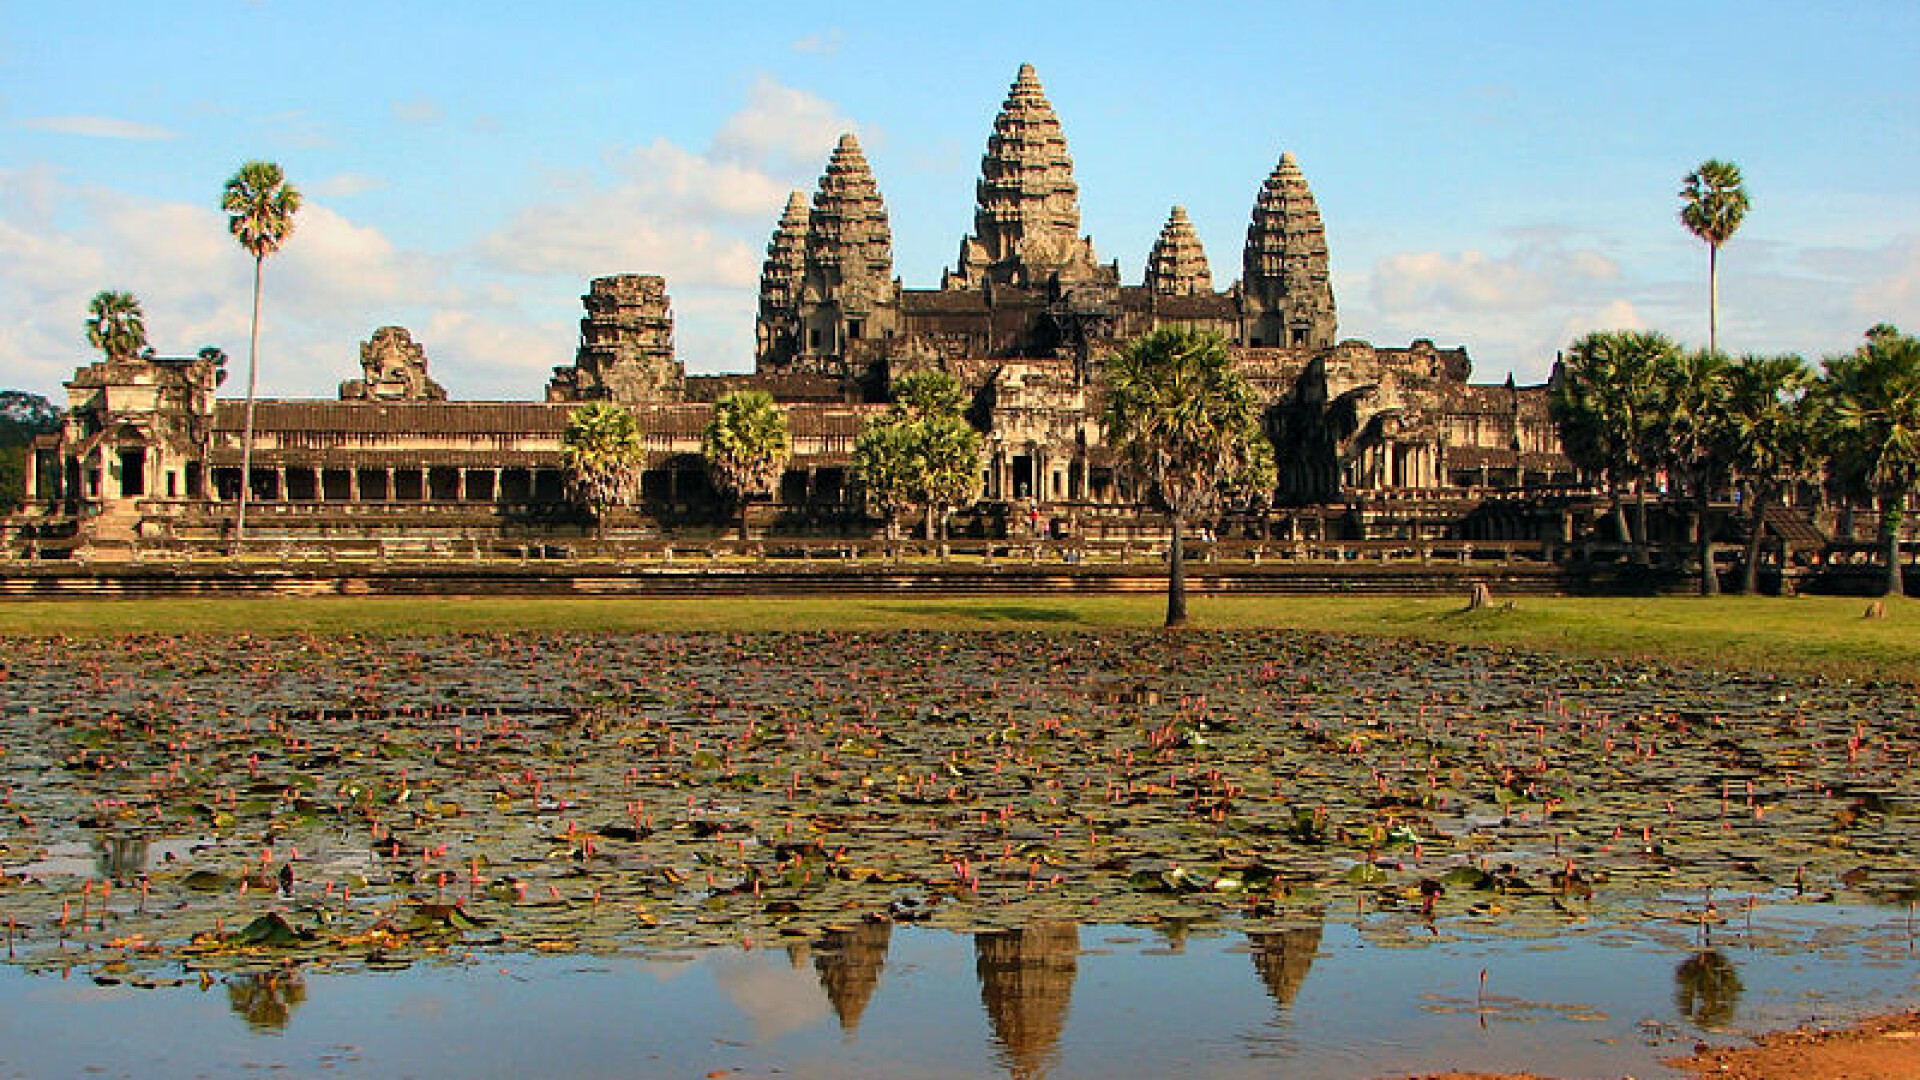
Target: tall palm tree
x,y
115,325
1766,440
1870,405
1183,418
260,205
1716,203
746,444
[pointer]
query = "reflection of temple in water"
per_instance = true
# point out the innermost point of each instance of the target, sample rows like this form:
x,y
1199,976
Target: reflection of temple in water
x,y
849,963
120,859
1026,978
266,998
1282,959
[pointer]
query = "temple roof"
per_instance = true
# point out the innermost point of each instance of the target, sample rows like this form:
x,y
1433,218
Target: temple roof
x,y
849,242
1177,266
1026,220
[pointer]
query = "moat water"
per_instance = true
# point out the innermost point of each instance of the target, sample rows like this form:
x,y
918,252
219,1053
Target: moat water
x,y
1336,1001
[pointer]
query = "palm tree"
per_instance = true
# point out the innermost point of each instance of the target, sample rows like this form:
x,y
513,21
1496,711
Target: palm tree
x,y
1604,401
944,474
1183,418
1688,440
605,454
260,205
115,325
1870,420
746,444
1716,203
1766,440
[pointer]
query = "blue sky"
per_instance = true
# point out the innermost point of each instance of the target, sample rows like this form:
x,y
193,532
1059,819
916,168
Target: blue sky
x,y
1501,176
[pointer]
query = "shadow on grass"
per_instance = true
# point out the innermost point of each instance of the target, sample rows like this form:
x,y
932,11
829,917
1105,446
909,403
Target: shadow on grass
x,y
992,613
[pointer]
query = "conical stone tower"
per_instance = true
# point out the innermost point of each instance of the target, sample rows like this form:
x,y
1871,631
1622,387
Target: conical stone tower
x,y
1026,219
847,290
777,329
1288,296
1177,266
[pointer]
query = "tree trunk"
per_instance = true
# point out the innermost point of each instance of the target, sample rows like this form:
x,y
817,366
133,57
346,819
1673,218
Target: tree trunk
x,y
1890,515
246,436
946,553
1642,543
1713,298
930,527
744,503
1750,562
1176,577
1703,532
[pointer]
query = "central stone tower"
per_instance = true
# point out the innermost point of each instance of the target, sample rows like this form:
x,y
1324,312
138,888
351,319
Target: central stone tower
x,y
1026,219
1288,294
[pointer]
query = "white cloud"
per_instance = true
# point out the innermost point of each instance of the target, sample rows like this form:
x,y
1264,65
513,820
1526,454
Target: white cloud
x,y
783,128
97,127
420,111
344,186
826,43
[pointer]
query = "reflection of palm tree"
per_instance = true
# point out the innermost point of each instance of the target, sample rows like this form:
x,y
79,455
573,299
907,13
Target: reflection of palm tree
x,y
1282,959
849,963
1707,988
267,999
1026,979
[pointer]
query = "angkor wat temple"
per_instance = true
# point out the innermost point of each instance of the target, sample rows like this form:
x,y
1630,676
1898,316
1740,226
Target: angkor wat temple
x,y
1022,319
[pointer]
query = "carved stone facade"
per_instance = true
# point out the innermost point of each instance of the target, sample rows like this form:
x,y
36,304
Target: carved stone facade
x,y
1177,266
626,345
394,368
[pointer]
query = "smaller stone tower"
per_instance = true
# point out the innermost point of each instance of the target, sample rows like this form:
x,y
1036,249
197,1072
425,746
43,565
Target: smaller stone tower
x,y
1177,266
626,345
776,331
1288,297
847,291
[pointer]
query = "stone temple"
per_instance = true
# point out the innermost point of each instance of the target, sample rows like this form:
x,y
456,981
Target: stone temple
x,y
1022,318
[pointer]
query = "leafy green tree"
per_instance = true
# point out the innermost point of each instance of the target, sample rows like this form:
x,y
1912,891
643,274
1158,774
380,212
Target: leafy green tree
x,y
1605,401
747,446
23,417
260,205
1766,438
1688,441
1870,428
1715,204
116,326
947,474
1184,420
605,454
885,463
945,464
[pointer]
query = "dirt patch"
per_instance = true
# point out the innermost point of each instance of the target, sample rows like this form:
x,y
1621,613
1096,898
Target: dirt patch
x,y
1883,1048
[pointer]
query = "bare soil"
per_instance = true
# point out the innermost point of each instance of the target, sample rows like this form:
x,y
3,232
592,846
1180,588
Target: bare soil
x,y
1882,1048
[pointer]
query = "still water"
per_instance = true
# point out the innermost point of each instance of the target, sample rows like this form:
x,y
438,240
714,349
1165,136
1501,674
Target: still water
x,y
1335,1000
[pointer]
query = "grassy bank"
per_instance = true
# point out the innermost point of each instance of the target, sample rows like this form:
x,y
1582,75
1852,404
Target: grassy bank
x,y
1824,634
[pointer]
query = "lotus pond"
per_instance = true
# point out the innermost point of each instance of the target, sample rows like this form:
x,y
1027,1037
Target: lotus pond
x,y
1113,854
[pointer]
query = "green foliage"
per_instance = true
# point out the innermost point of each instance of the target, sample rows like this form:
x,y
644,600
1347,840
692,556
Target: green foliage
x,y
1606,401
1183,418
885,462
22,417
1869,404
746,443
260,205
605,453
929,393
1767,435
1715,201
922,452
115,325
1689,413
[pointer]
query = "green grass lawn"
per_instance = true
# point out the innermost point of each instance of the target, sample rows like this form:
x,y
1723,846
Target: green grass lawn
x,y
1804,634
